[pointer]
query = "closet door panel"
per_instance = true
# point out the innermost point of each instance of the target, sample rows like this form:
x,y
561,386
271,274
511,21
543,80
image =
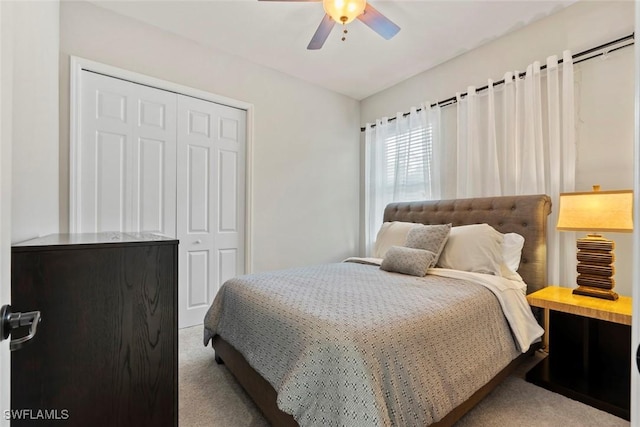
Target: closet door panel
x,y
198,207
228,262
230,181
154,157
228,191
198,183
196,204
151,185
125,170
198,277
211,201
102,171
110,181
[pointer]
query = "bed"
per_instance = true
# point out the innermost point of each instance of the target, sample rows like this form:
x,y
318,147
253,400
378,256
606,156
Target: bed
x,y
351,344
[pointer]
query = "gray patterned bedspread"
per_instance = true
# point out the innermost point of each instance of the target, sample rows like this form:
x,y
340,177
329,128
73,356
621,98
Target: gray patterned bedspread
x,y
351,345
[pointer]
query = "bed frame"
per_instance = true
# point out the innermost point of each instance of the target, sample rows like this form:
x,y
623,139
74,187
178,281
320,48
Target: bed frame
x,y
525,215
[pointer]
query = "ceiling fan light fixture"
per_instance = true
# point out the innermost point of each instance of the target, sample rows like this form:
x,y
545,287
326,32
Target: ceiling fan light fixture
x,y
344,11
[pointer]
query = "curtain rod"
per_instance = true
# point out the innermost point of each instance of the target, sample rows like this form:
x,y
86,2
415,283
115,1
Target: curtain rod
x,y
453,99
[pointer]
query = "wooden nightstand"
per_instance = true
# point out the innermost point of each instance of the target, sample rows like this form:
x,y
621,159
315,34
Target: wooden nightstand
x,y
589,345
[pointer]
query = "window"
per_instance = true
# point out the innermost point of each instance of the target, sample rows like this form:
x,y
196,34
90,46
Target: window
x,y
400,165
408,164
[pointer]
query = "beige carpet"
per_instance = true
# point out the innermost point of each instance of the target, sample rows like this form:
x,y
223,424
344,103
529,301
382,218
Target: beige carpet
x,y
209,396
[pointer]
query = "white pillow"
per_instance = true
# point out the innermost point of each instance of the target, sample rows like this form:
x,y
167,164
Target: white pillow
x,y
476,248
512,250
391,234
511,253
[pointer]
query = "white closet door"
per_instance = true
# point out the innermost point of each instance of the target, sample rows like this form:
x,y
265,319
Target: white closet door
x,y
125,170
211,197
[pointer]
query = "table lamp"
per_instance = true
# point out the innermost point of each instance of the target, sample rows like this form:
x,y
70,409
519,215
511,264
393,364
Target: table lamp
x,y
596,211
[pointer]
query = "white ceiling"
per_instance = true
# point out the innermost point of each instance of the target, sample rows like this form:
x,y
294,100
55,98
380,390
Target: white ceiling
x,y
275,34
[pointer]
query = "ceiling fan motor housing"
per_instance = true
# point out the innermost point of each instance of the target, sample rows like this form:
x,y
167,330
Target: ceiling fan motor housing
x,y
344,11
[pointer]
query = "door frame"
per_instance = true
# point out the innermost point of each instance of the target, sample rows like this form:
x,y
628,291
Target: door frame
x,y
635,328
6,117
78,64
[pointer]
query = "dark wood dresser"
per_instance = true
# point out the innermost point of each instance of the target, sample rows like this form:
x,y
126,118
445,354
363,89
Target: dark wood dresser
x,y
106,350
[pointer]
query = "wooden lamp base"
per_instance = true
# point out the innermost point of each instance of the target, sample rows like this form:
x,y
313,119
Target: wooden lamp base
x,y
595,268
590,291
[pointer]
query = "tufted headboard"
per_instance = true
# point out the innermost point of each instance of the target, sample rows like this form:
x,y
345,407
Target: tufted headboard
x,y
525,215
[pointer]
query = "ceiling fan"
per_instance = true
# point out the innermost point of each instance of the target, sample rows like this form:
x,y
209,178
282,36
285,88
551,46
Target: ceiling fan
x,y
345,11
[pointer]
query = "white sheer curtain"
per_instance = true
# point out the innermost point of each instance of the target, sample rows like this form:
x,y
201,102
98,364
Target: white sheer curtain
x,y
520,139
402,163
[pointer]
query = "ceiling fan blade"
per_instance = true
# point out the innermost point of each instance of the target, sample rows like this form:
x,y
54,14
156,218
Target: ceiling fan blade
x,y
378,22
322,33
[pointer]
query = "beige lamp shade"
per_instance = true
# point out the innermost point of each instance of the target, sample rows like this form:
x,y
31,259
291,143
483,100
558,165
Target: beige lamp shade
x,y
610,211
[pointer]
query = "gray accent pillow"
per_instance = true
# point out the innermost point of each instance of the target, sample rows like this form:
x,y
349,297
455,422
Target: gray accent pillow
x,y
411,261
431,238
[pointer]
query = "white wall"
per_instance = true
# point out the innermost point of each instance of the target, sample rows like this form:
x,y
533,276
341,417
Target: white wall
x,y
305,181
35,119
604,90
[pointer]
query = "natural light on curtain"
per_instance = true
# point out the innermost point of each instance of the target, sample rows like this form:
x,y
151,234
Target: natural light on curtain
x,y
513,139
521,140
399,165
